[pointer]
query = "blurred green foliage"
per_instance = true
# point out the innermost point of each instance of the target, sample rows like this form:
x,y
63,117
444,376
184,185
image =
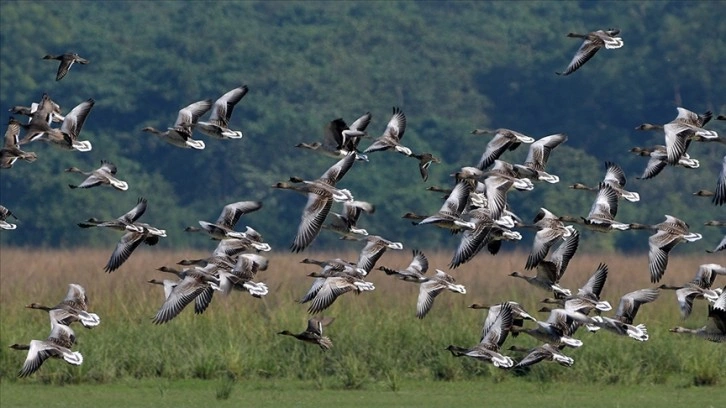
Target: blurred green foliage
x,y
451,66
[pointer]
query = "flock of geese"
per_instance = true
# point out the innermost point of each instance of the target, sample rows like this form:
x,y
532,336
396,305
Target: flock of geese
x,y
475,209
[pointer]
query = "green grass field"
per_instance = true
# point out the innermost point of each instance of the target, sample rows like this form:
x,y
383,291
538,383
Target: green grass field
x,y
160,393
382,354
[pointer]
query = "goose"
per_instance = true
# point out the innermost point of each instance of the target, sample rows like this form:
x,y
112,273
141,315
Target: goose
x,y
47,111
550,272
449,215
687,293
67,136
539,153
340,140
593,41
192,283
721,245
330,268
391,138
550,229
314,333
373,250
622,323
122,223
602,213
415,270
495,332
540,353
558,327
73,308
615,178
56,345
240,277
546,278
518,315
503,140
486,233
433,286
424,162
668,234
4,214
679,132
706,274
321,193
218,125
181,134
714,330
66,62
103,175
129,242
223,228
658,161
211,271
588,296
333,287
10,151
345,223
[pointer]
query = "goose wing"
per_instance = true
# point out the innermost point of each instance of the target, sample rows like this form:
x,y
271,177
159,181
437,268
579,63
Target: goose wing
x,y
12,133
38,352
231,213
587,50
108,167
136,212
181,295
396,125
539,151
338,170
614,174
719,196
659,245
596,281
125,247
427,293
630,303
329,291
222,109
313,216
74,120
565,251
497,325
189,115
503,139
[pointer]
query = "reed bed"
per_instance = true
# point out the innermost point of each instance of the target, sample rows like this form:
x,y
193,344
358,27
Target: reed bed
x,y
376,335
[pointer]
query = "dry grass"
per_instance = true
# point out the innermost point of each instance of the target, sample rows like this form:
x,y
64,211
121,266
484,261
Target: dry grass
x,y
376,334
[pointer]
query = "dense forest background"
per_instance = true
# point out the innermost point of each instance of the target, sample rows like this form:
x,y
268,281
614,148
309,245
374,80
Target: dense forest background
x,y
451,67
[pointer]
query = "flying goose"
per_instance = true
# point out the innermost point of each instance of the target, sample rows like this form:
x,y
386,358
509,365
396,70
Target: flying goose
x,y
223,228
540,353
66,62
432,287
503,140
321,193
497,326
539,153
333,287
486,233
345,223
129,242
549,229
424,162
10,151
588,296
56,345
122,223
373,250
558,327
192,283
659,160
181,134
602,213
615,178
314,333
391,138
67,136
715,328
73,308
719,195
622,323
669,233
340,140
218,125
680,131
594,40
4,214
414,272
687,293
518,315
104,175
449,215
